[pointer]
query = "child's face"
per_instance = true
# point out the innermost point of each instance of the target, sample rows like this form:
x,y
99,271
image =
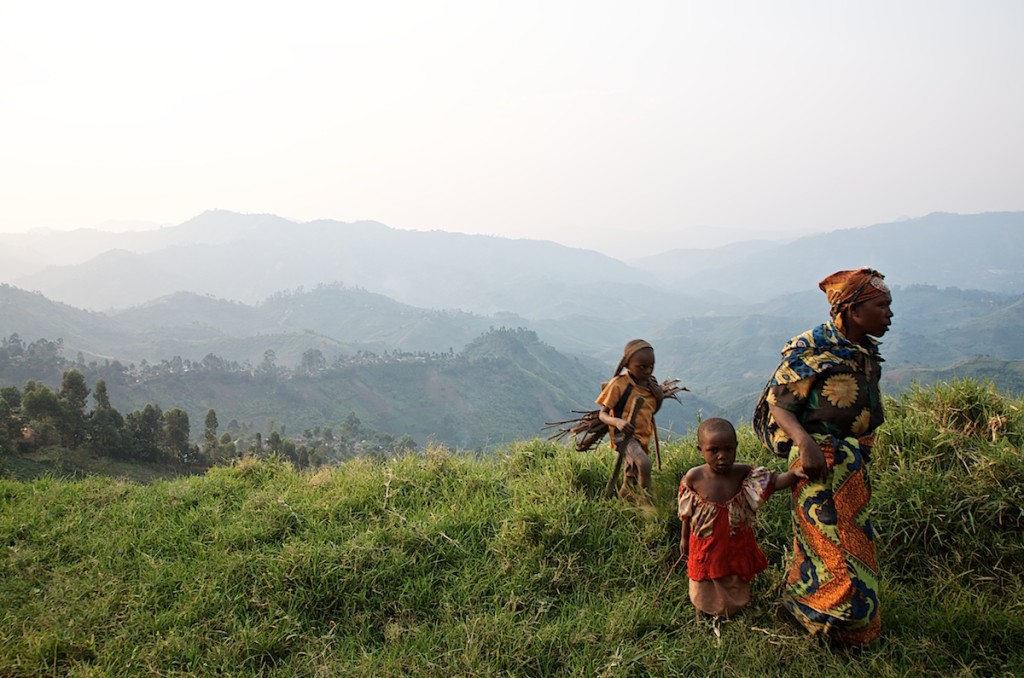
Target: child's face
x,y
719,450
641,365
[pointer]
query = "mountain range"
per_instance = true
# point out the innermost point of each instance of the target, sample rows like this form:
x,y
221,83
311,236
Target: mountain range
x,y
237,286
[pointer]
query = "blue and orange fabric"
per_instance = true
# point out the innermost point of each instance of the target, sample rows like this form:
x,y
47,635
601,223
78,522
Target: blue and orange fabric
x,y
832,583
846,400
831,386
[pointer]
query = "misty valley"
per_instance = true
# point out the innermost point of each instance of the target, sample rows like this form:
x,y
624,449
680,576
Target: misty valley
x,y
353,349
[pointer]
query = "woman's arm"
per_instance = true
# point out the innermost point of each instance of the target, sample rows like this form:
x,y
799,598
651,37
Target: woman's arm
x,y
811,458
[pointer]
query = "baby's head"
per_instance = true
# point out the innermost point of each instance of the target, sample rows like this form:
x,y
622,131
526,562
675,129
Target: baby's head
x,y
716,441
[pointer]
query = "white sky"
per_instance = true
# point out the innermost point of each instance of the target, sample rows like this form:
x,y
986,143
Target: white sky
x,y
624,127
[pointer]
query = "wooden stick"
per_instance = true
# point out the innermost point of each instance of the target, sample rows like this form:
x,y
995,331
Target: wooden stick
x,y
667,577
620,447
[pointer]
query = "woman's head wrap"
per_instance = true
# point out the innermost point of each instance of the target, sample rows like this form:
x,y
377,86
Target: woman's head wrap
x,y
846,288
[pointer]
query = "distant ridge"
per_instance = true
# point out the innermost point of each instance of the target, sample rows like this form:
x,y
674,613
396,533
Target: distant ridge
x,y
973,251
250,257
247,258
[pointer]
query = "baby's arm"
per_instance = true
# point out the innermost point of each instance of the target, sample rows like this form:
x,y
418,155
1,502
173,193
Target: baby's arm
x,y
789,478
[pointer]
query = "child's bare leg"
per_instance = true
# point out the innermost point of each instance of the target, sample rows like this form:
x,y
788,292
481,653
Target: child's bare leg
x,y
638,469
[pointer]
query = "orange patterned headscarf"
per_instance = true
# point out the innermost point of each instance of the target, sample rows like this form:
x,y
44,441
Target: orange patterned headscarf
x,y
846,288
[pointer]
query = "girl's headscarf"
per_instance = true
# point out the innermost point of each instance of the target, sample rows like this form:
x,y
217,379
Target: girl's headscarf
x,y
846,288
631,349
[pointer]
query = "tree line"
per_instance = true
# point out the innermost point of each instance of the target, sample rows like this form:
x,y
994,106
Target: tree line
x,y
37,418
42,417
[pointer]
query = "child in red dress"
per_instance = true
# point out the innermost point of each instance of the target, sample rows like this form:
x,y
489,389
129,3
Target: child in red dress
x,y
717,502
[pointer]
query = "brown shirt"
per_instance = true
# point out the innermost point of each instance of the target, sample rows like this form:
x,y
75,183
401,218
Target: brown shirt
x,y
612,393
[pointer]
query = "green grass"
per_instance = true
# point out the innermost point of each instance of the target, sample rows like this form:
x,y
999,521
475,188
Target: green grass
x,y
507,565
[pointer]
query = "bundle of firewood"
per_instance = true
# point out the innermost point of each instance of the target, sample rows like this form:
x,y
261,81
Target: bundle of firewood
x,y
588,430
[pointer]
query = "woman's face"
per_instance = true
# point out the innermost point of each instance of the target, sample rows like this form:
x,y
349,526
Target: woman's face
x,y
873,316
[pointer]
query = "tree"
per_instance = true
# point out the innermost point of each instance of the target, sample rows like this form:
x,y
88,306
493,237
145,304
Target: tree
x,y
289,451
226,449
99,395
210,429
12,421
176,433
351,429
12,396
73,396
107,433
39,403
145,432
106,425
313,361
214,362
7,420
274,442
269,360
11,347
41,408
42,356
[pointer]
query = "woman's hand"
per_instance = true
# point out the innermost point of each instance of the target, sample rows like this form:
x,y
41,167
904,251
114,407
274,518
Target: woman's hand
x,y
812,460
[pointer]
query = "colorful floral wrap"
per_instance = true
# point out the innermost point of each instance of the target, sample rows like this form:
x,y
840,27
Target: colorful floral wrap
x,y
832,585
831,385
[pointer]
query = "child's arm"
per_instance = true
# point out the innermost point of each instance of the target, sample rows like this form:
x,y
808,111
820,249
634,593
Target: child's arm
x,y
610,419
692,476
789,478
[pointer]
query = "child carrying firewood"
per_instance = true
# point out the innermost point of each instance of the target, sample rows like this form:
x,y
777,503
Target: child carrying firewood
x,y
631,427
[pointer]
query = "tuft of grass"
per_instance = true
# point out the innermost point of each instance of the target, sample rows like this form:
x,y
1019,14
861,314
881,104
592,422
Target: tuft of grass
x,y
441,564
949,483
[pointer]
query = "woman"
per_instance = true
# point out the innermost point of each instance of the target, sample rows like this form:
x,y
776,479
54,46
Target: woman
x,y
821,409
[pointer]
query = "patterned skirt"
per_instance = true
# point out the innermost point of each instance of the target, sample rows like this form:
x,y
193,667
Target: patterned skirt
x,y
832,585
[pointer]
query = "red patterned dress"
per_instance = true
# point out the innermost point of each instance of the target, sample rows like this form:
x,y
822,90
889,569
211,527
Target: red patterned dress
x,y
723,554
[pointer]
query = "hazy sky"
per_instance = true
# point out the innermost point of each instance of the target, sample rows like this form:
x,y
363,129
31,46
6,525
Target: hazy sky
x,y
625,127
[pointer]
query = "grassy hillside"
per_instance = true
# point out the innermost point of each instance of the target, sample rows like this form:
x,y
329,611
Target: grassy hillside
x,y
508,565
1008,374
